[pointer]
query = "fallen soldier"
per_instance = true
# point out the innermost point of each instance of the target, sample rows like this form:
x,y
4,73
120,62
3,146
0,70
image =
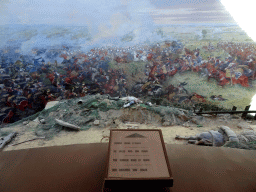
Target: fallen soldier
x,y
132,100
247,140
212,138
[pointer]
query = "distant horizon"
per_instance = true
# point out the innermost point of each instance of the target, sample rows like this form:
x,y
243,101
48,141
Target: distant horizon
x,y
113,12
63,25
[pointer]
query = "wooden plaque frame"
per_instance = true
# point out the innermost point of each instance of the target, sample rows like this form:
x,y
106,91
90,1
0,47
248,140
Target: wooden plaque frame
x,y
112,183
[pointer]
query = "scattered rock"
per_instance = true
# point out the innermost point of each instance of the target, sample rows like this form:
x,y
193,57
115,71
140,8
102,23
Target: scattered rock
x,y
108,123
236,116
186,124
25,122
183,117
117,122
243,125
114,98
97,96
109,102
42,121
40,133
197,119
131,125
149,104
206,115
167,123
96,122
36,120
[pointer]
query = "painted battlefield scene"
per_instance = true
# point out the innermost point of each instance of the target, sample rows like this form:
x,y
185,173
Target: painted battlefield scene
x,y
126,59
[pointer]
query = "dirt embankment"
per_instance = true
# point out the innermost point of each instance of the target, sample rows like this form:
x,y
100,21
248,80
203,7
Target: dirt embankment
x,y
96,115
122,119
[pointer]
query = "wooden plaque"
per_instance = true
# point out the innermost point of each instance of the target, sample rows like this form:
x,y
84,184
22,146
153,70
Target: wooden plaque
x,y
137,157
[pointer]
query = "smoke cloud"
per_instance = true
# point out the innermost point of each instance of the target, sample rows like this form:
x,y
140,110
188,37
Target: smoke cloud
x,y
46,28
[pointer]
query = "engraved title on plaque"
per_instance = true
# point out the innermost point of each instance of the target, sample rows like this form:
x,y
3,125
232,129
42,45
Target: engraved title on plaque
x,y
137,157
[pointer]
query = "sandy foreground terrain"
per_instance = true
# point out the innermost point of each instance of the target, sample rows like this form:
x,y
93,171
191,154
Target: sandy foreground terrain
x,y
97,135
101,135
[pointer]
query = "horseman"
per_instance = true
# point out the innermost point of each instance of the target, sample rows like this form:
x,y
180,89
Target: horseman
x,y
181,88
173,70
152,72
222,78
171,91
212,71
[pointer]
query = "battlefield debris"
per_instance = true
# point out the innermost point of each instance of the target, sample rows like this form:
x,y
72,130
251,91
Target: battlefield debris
x,y
28,141
42,121
5,140
96,122
65,124
223,137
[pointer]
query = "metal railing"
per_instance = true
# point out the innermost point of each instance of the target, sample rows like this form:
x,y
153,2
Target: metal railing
x,y
233,111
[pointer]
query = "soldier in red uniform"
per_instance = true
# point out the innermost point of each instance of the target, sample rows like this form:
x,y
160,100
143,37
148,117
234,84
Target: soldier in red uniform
x,y
8,117
152,72
212,71
222,78
51,77
243,80
150,56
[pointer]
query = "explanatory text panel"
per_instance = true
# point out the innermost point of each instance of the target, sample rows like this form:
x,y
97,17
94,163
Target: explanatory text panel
x,y
137,154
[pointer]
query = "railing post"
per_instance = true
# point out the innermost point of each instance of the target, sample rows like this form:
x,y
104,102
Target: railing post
x,y
234,109
246,109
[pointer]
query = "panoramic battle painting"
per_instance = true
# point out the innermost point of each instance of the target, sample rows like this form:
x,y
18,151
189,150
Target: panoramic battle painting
x,y
173,53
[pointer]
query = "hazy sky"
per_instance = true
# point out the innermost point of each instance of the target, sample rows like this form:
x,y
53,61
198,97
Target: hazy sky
x,y
110,12
98,22
190,11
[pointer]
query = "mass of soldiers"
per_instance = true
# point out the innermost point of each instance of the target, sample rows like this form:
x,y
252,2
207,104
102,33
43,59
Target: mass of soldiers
x,y
26,87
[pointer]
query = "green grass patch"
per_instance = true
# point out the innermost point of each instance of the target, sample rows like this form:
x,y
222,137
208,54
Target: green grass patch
x,y
236,95
134,71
